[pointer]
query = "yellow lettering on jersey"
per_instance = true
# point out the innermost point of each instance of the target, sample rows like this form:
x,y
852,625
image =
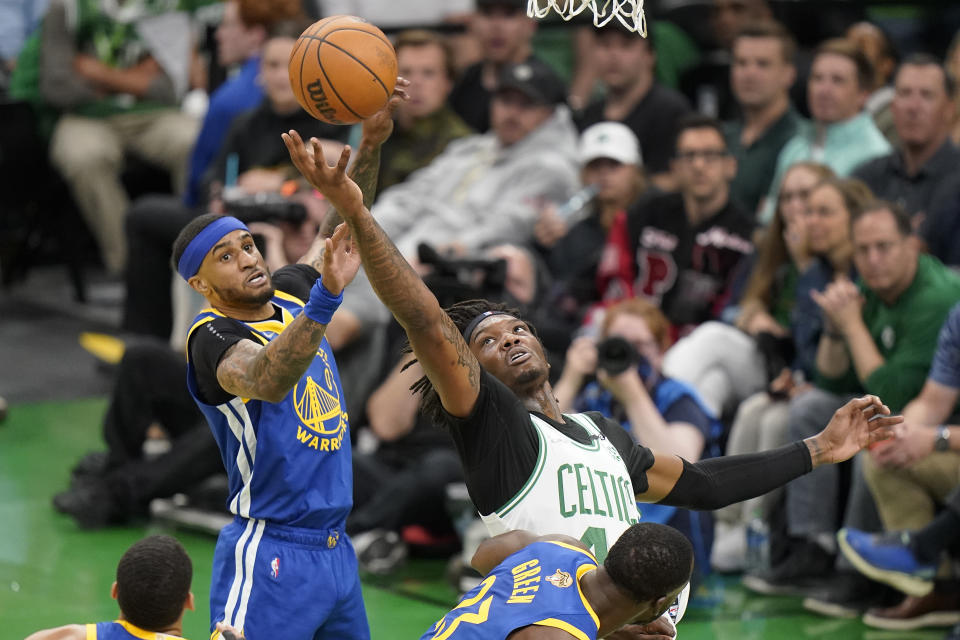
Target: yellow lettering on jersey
x,y
325,444
521,599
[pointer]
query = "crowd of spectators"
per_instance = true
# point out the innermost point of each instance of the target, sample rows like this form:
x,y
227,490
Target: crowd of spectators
x,y
769,225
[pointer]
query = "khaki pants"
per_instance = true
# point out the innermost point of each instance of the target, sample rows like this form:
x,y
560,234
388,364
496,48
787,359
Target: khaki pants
x,y
907,498
89,153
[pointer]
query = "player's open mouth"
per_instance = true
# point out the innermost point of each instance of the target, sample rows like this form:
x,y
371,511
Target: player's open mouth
x,y
518,356
257,279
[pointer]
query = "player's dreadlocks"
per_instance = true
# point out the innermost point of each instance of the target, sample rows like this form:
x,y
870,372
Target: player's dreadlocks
x,y
462,314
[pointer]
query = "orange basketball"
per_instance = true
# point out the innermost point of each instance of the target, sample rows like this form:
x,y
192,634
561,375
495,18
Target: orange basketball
x,y
343,69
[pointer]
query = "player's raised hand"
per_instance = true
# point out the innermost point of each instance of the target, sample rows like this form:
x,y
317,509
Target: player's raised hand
x,y
341,260
378,127
855,425
332,181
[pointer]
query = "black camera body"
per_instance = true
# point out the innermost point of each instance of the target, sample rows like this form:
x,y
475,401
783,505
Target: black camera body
x,y
615,355
457,279
266,207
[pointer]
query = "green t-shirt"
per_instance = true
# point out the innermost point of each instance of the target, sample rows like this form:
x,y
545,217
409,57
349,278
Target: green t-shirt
x,y
905,334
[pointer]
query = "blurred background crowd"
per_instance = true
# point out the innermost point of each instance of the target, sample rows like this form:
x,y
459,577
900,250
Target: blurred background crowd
x,y
723,231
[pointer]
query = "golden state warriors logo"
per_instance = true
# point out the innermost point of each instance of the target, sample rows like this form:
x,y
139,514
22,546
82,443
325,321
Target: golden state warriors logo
x,y
318,406
560,579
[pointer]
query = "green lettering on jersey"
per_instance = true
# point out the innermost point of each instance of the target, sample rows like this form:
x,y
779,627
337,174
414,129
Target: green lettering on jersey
x,y
593,490
563,507
581,487
602,475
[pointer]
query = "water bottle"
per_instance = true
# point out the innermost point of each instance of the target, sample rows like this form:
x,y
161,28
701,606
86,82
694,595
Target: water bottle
x,y
758,543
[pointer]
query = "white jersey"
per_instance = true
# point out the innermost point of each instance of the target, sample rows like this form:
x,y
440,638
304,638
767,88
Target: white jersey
x,y
581,490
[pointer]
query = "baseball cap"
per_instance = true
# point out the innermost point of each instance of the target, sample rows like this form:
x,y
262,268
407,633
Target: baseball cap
x,y
612,140
535,79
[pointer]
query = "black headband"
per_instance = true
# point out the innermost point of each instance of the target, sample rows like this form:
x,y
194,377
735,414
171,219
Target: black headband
x,y
480,317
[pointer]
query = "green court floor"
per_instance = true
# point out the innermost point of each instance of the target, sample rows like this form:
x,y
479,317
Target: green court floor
x,y
51,573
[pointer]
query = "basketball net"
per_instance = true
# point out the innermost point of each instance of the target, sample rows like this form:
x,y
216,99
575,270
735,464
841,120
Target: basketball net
x,y
628,12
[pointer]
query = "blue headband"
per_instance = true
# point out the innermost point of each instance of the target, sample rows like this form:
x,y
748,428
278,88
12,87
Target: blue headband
x,y
198,248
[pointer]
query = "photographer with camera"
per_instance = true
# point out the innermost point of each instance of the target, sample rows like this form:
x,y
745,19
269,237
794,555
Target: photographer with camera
x,y
658,412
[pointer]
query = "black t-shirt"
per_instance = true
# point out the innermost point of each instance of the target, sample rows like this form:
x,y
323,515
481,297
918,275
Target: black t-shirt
x,y
689,270
210,341
653,120
498,445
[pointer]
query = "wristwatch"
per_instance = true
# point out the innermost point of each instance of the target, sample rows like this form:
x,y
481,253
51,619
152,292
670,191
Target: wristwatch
x,y
942,441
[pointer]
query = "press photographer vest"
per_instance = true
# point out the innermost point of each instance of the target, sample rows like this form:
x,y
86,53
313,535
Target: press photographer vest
x,y
581,490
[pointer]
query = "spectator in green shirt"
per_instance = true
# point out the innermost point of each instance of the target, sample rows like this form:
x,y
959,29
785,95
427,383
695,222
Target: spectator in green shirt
x,y
761,75
878,338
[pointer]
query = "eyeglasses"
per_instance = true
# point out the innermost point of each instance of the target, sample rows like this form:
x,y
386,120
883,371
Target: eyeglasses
x,y
710,155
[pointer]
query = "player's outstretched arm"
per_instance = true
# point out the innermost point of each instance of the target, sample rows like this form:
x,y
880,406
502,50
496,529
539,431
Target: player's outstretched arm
x,y
250,370
717,482
446,359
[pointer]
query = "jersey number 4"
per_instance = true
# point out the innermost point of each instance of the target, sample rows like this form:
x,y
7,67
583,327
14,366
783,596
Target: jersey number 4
x,y
596,540
444,630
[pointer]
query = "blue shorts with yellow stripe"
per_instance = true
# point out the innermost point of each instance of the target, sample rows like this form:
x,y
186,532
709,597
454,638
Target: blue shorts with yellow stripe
x,y
274,581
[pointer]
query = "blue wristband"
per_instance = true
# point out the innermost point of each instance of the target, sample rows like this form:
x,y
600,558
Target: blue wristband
x,y
322,303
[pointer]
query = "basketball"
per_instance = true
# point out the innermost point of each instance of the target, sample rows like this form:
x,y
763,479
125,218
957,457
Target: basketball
x,y
342,69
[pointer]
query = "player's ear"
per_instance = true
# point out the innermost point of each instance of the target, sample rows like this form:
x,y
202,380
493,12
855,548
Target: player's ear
x,y
113,590
199,285
189,604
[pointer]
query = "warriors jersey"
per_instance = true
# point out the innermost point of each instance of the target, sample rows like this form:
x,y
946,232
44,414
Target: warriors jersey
x,y
581,490
123,630
288,462
538,585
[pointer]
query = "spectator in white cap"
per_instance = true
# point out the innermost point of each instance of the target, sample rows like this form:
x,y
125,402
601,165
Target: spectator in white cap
x,y
572,234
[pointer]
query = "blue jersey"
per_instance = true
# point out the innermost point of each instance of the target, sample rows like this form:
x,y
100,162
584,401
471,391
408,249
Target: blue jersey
x,y
123,630
538,585
287,462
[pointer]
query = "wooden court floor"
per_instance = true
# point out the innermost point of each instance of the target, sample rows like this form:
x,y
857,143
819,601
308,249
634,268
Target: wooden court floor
x,y
51,573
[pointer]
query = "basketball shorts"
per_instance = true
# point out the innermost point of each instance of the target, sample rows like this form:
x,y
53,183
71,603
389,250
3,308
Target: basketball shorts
x,y
273,581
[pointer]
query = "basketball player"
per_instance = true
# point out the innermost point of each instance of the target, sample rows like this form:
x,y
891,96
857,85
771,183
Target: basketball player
x,y
552,587
263,374
526,465
153,591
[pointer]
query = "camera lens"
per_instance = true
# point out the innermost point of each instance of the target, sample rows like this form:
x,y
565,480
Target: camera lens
x,y
615,355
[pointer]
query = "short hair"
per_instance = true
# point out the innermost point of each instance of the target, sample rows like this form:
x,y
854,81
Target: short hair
x,y
773,30
927,60
900,215
649,561
657,322
425,38
697,121
614,26
153,582
462,314
847,49
187,234
265,12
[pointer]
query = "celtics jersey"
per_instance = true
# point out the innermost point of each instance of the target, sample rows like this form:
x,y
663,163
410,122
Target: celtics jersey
x,y
538,585
287,462
581,490
123,630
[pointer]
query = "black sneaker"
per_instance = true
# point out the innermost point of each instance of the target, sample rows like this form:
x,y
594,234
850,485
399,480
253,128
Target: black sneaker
x,y
849,596
379,551
805,567
90,504
91,465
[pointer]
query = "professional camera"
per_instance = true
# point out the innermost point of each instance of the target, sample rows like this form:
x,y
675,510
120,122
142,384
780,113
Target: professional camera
x,y
615,355
458,279
266,207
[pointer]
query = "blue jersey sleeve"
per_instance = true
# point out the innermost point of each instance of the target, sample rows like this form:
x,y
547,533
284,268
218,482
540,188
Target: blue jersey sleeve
x,y
945,369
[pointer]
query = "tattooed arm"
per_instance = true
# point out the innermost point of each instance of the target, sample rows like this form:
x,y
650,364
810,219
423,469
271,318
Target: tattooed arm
x,y
268,372
366,163
446,359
